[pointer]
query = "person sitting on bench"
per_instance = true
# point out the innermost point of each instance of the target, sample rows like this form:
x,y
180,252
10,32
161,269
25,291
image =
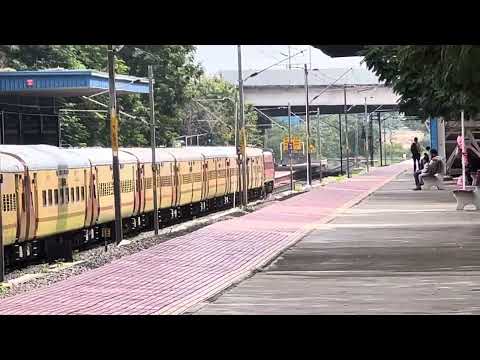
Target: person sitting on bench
x,y
425,160
433,167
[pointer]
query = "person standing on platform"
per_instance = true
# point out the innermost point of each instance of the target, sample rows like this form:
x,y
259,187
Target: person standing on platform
x,y
415,149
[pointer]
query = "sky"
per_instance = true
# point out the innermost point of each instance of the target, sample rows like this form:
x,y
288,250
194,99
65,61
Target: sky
x,y
215,58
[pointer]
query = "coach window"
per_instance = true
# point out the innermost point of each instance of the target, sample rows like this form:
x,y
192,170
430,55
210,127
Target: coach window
x,y
50,198
72,192
44,198
55,196
78,193
62,197
83,193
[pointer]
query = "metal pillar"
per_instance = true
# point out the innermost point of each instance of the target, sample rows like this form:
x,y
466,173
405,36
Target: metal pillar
x,y
2,261
243,138
385,143
290,145
153,144
341,144
462,122
366,133
319,144
3,128
118,234
380,137
346,129
307,124
370,141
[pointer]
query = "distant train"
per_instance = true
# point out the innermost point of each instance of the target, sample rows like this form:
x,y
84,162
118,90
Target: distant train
x,y
57,199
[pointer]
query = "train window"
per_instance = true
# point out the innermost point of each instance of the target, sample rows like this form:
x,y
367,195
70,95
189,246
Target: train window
x,y
50,198
67,195
44,197
55,196
78,193
83,193
72,192
62,198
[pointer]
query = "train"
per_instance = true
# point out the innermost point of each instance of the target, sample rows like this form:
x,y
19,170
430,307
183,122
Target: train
x,y
55,200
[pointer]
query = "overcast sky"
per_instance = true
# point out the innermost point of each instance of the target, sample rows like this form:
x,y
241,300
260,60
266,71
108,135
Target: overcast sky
x,y
215,58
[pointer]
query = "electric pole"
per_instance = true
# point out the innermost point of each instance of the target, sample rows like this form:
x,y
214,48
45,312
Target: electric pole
x,y
154,145
319,147
118,235
290,145
243,138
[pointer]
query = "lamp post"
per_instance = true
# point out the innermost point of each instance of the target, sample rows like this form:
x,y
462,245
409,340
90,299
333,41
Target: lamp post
x,y
243,139
118,235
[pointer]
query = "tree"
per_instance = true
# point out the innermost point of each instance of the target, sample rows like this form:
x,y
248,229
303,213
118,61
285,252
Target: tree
x,y
211,110
431,80
174,69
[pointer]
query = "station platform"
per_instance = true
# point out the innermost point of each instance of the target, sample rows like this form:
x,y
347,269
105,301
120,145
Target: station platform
x,y
180,275
397,252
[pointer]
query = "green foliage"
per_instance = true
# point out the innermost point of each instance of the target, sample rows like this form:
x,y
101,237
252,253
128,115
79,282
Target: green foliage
x,y
432,80
212,110
174,69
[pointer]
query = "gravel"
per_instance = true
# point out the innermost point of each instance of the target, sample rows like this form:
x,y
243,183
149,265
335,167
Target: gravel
x,y
41,275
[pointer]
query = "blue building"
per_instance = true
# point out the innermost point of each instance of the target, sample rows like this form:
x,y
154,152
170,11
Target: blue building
x,y
29,100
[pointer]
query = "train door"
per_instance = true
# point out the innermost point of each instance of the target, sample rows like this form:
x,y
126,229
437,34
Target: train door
x,y
197,180
87,199
26,214
221,176
140,193
33,216
166,183
147,192
93,191
176,183
212,177
9,208
228,178
204,178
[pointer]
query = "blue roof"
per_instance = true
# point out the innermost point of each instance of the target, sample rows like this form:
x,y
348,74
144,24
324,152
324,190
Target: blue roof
x,y
67,83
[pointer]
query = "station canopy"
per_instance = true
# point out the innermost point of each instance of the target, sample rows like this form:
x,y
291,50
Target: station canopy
x,y
340,50
66,83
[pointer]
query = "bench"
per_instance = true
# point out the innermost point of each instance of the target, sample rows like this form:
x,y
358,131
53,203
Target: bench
x,y
466,197
431,181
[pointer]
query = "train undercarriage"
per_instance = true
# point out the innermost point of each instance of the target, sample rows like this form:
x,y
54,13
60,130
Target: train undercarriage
x,y
62,246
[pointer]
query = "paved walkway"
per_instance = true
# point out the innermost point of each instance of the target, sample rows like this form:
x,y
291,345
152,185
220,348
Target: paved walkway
x,y
397,252
171,277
